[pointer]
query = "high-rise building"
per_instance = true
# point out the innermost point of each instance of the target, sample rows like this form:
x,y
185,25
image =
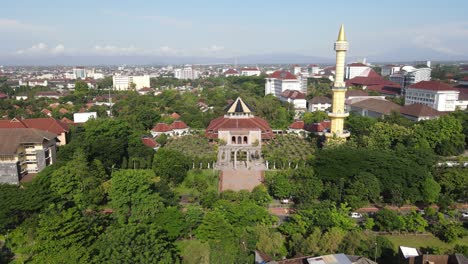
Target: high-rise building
x,y
186,73
338,113
126,82
79,73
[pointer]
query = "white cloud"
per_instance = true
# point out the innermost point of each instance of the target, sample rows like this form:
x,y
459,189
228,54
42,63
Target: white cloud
x,y
42,49
213,48
12,25
114,50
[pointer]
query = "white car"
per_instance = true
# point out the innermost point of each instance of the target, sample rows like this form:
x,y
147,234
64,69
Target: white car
x,y
284,201
465,215
355,215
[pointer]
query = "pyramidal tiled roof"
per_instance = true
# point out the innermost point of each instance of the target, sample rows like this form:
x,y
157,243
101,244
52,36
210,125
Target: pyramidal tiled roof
x,y
238,106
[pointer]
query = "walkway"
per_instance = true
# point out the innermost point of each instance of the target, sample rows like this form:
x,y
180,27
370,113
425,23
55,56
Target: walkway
x,y
240,179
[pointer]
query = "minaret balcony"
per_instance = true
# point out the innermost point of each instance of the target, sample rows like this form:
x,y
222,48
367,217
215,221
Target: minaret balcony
x,y
343,115
343,134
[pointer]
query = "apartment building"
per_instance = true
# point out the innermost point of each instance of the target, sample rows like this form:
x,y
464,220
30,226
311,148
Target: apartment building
x,y
280,81
408,75
188,72
440,96
124,82
25,151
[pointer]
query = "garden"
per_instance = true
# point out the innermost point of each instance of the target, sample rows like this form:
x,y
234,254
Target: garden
x,y
286,151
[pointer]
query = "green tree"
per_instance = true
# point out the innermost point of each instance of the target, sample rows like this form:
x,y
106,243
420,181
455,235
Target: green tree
x,y
414,222
135,244
388,220
270,242
171,165
133,195
430,190
314,117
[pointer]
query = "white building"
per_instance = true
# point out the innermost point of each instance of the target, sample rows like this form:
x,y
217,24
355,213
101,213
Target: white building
x,y
314,69
409,75
250,72
390,69
33,83
296,98
83,117
79,73
439,96
231,72
355,69
125,82
319,103
186,73
280,81
297,69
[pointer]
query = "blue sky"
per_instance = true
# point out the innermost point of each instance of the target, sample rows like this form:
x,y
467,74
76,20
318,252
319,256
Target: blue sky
x,y
230,28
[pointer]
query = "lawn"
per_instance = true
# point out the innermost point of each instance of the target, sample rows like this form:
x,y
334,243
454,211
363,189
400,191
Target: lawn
x,y
424,241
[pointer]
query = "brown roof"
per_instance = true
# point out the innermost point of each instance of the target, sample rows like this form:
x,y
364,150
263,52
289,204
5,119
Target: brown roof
x,y
12,138
320,100
298,124
47,124
419,110
229,123
178,125
433,86
175,115
161,127
13,123
356,93
378,106
385,89
149,142
357,64
293,94
231,71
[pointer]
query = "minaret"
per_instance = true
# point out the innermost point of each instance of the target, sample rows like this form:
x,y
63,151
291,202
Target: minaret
x,y
338,113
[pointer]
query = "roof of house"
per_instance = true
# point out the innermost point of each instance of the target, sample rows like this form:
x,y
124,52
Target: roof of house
x,y
161,127
298,124
432,86
175,115
149,142
47,124
325,259
3,95
369,77
283,75
178,125
250,69
146,89
419,110
11,138
357,64
66,121
350,93
408,252
229,123
385,89
238,106
319,127
320,100
376,105
293,94
231,71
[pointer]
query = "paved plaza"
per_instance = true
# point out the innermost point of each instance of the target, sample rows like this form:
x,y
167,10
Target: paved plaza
x,y
240,179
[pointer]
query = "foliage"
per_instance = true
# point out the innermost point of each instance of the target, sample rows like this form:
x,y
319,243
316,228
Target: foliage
x,y
171,165
287,150
196,148
314,117
388,220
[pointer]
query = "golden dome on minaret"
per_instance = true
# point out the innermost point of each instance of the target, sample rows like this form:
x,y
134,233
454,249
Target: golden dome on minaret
x,y
341,35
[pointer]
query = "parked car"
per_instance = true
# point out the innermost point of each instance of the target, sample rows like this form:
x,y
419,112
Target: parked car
x,y
465,215
284,201
355,215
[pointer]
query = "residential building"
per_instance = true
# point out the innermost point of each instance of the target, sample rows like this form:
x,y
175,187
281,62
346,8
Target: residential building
x,y
52,125
314,69
296,98
48,94
262,258
150,142
390,69
34,82
418,112
355,69
25,151
188,72
280,81
297,69
83,117
123,82
250,72
146,90
231,72
373,107
409,75
319,103
177,128
437,95
79,73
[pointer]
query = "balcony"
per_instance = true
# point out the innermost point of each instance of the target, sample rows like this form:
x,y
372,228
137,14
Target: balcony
x,y
344,134
343,115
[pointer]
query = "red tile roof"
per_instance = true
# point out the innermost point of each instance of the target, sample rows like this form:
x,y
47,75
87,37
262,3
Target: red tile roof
x,y
178,125
3,96
319,127
46,124
231,71
283,75
293,94
46,111
432,86
66,121
419,110
175,115
298,124
357,64
63,111
225,123
385,89
378,106
161,127
249,69
149,142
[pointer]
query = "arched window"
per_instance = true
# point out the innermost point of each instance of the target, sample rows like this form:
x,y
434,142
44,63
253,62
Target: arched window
x,y
239,140
233,140
245,140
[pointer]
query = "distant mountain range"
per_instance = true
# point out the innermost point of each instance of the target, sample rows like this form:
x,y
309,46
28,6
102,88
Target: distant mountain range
x,y
397,55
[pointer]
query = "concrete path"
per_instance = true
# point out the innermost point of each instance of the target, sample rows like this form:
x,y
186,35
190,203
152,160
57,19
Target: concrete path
x,y
237,180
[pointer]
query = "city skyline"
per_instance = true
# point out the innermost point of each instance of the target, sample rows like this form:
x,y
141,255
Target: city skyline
x,y
203,32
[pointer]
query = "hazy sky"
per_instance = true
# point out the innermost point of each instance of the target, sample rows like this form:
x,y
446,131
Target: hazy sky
x,y
229,28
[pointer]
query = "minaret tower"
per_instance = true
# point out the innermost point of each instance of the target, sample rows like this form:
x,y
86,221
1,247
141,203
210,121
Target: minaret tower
x,y
338,113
